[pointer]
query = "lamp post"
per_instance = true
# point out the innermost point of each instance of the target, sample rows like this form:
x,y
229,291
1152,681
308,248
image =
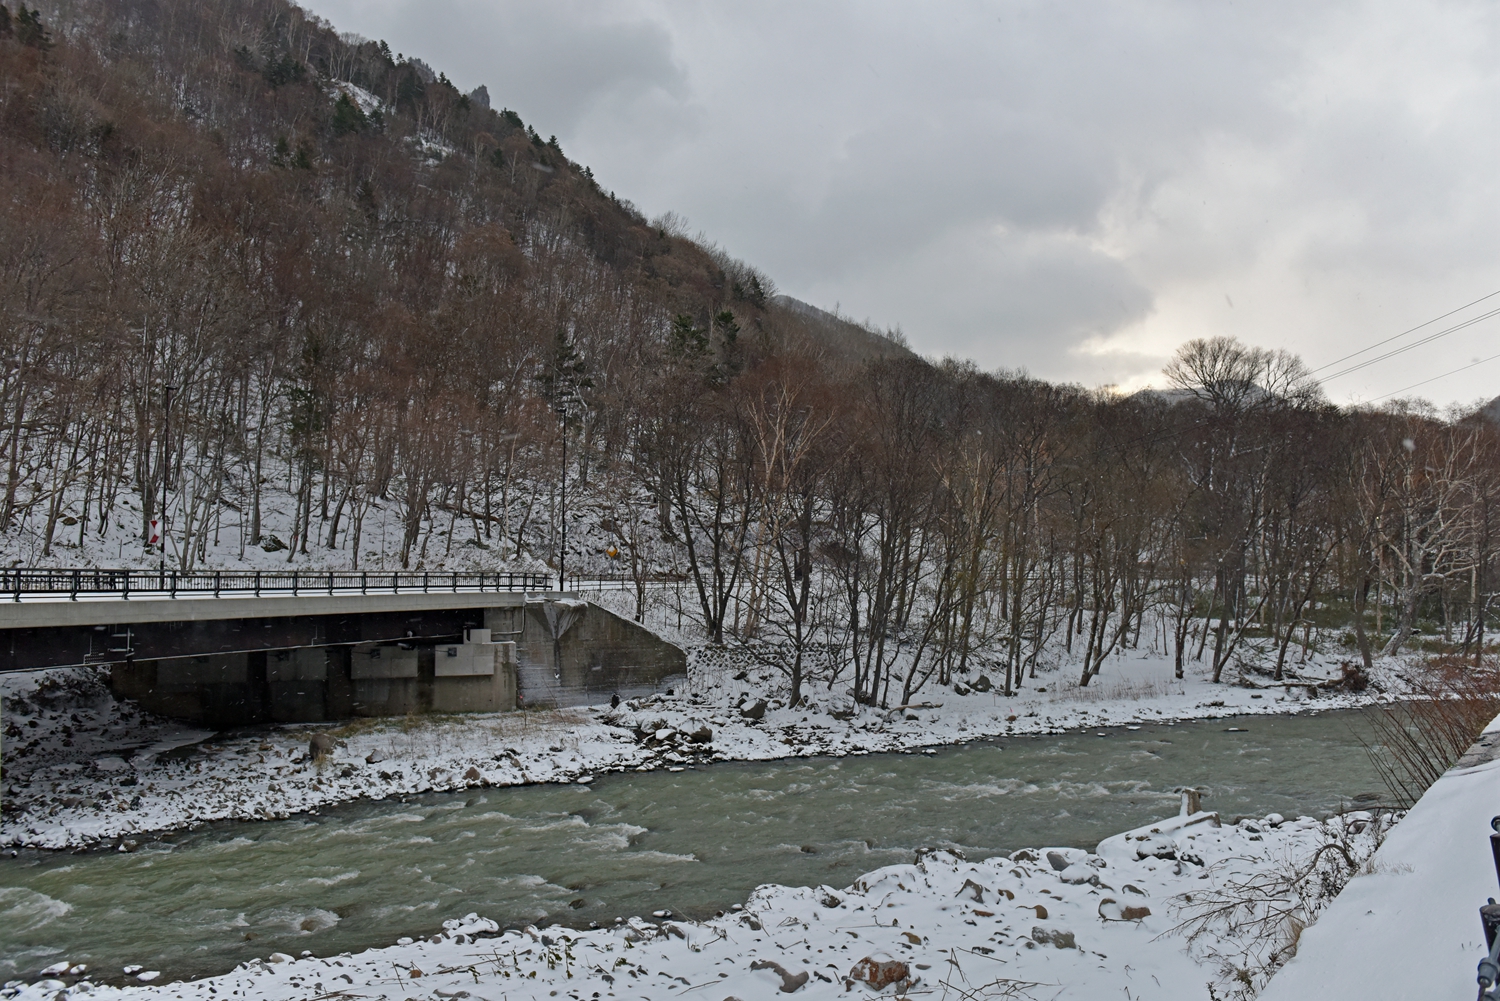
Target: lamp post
x,y
166,469
562,554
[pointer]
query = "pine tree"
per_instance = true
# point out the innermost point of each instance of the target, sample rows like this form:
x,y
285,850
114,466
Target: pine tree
x,y
30,30
347,117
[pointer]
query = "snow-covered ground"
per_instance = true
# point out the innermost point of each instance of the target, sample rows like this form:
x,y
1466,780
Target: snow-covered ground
x,y
1046,923
1408,926
82,769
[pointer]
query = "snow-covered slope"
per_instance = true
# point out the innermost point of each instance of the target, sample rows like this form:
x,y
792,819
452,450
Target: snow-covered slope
x,y
1408,927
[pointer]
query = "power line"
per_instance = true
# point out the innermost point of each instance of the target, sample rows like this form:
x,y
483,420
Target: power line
x,y
1413,345
1435,378
1393,337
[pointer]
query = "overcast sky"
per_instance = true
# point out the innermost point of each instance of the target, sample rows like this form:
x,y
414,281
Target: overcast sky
x,y
1072,188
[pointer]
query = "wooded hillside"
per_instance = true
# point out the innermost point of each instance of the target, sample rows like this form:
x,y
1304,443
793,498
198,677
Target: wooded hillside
x,y
242,253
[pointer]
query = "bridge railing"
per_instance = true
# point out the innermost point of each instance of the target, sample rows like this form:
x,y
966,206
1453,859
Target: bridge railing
x,y
28,582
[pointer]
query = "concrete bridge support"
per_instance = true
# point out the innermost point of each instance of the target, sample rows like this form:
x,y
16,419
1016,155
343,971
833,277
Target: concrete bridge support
x,y
548,653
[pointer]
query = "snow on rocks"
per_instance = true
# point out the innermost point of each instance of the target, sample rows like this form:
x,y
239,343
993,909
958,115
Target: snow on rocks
x,y
1011,923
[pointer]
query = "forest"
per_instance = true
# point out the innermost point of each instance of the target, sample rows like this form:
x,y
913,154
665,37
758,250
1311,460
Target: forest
x,y
242,253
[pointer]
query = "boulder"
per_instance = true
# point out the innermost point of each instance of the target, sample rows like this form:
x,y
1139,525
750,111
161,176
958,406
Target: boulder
x,y
983,684
790,982
879,972
320,748
1079,873
1156,847
702,735
755,711
1055,937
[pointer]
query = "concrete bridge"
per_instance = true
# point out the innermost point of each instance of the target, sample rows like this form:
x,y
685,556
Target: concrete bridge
x,y
239,648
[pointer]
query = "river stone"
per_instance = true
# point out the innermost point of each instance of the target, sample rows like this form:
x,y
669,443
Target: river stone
x,y
1158,847
879,971
1054,937
789,982
1079,873
756,711
320,747
702,735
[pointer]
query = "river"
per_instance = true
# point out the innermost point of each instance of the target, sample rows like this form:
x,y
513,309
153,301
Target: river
x,y
363,875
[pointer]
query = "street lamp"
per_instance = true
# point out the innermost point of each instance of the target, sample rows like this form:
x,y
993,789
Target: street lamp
x,y
562,556
166,469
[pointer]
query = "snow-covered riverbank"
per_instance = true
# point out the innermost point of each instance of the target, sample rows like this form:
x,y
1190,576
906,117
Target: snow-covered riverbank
x,y
1040,923
83,769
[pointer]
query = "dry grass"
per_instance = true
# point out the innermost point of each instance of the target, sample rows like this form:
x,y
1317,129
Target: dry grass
x,y
1415,742
1134,689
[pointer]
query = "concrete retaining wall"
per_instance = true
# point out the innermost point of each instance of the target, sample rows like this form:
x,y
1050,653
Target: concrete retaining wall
x,y
598,655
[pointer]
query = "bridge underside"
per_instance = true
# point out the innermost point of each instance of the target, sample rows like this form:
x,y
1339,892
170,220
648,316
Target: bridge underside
x,y
328,658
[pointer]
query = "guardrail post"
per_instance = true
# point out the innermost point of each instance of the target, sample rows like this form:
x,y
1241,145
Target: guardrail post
x,y
455,582
257,583
174,583
330,582
125,591
395,582
74,595
364,581
294,583
424,581
218,583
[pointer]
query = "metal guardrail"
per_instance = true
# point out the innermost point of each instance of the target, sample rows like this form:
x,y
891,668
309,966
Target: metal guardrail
x,y
21,582
620,582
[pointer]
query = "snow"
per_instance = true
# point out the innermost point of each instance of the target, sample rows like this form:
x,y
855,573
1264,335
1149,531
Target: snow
x,y
1408,927
1047,923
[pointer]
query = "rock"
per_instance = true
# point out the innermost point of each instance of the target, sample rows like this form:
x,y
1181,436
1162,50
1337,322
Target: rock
x,y
984,684
789,981
1041,912
830,901
374,758
1079,873
879,971
756,711
1055,937
1024,855
973,889
472,775
702,735
959,688
56,969
1163,848
1112,910
320,748
1057,861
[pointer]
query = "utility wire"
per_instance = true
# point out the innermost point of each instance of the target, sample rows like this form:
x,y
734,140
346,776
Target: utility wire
x,y
1393,337
1435,378
1414,344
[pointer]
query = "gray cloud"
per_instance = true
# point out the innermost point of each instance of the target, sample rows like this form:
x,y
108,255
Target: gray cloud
x,y
1074,188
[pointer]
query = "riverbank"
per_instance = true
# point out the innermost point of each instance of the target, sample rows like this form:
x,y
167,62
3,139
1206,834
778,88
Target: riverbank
x,y
1408,925
83,770
1135,916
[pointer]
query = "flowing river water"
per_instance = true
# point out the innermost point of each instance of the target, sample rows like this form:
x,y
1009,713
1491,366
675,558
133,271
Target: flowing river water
x,y
692,842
